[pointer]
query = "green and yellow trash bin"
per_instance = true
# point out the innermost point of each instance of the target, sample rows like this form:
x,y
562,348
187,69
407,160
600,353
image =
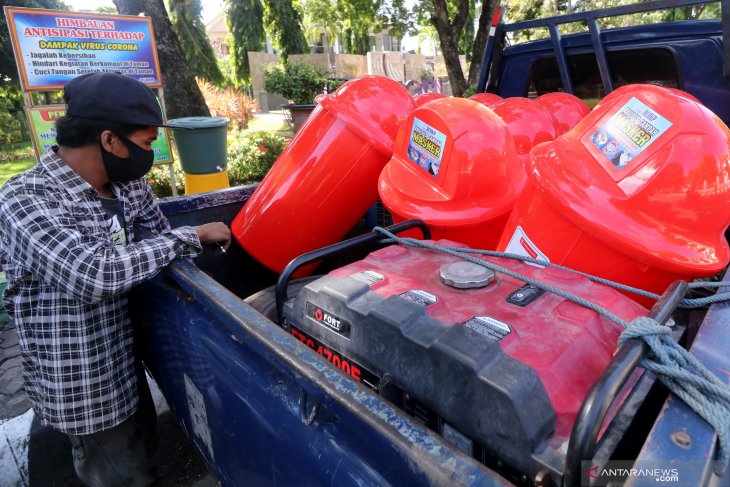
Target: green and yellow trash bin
x,y
201,149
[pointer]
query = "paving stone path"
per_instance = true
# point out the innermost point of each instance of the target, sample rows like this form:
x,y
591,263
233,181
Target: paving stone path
x,y
32,455
13,401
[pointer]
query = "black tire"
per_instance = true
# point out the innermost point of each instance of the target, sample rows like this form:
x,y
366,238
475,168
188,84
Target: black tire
x,y
264,301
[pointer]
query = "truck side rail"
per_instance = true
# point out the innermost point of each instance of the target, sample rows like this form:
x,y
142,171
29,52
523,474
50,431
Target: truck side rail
x,y
488,77
679,437
593,411
417,456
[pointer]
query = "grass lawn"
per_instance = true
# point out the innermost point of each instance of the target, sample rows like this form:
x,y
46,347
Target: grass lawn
x,y
16,160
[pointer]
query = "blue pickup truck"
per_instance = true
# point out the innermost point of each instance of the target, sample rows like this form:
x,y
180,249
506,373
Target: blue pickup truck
x,y
265,408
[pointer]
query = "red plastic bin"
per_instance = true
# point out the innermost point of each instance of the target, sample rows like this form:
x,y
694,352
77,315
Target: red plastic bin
x,y
638,192
326,179
486,99
424,98
567,109
455,167
527,121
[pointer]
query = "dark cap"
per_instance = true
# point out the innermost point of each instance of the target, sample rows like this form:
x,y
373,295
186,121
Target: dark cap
x,y
113,98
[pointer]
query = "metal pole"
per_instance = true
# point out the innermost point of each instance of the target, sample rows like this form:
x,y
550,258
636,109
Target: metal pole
x,y
601,58
561,59
173,181
725,5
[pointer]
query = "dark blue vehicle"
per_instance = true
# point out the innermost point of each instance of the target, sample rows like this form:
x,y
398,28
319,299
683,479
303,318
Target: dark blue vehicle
x,y
265,409
688,55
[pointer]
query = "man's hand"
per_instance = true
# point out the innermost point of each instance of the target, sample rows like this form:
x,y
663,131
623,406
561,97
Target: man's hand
x,y
215,232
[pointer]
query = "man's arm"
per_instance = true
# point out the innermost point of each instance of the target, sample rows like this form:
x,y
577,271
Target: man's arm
x,y
151,218
43,237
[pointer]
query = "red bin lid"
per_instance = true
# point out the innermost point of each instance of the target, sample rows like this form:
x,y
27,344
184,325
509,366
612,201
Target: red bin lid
x,y
649,173
454,163
373,107
486,99
528,121
567,109
424,98
683,93
633,87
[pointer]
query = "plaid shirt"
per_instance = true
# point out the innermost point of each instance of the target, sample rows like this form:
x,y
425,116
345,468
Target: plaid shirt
x,y
67,290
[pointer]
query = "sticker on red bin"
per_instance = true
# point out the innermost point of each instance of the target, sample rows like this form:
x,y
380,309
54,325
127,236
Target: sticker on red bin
x,y
629,132
426,147
521,244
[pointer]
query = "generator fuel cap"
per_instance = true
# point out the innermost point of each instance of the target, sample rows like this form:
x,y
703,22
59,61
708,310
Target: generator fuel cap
x,y
465,275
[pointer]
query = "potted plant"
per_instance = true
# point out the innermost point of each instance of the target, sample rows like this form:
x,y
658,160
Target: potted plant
x,y
299,83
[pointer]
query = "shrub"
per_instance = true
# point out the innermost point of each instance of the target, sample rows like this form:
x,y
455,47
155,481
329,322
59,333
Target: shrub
x,y
13,124
298,82
334,83
229,103
159,179
251,155
11,130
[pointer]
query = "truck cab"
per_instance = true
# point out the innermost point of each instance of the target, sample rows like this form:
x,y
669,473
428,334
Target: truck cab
x,y
687,55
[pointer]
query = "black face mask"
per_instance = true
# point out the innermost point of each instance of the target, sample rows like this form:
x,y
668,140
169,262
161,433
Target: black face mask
x,y
127,169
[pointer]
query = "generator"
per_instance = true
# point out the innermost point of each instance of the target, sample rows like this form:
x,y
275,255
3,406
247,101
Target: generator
x,y
495,365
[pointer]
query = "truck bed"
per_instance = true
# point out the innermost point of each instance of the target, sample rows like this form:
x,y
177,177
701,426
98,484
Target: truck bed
x,y
263,408
266,410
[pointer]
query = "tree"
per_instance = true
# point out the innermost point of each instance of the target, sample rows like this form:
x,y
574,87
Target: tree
x,y
704,11
397,17
449,28
527,10
246,28
480,40
355,42
323,17
285,27
182,95
466,39
450,19
106,10
354,20
186,17
359,18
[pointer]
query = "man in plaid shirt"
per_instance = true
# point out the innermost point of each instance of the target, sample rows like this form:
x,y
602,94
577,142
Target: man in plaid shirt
x,y
70,249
